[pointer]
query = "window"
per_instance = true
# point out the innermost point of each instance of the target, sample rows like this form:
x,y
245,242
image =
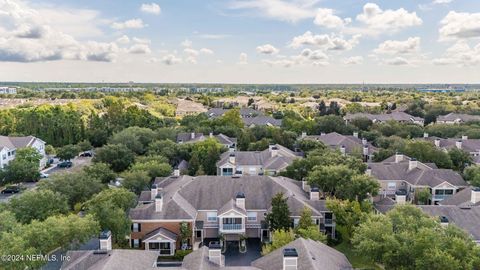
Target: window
x,y
136,243
212,216
135,227
449,192
154,246
295,222
227,171
252,216
164,248
392,185
4,156
252,171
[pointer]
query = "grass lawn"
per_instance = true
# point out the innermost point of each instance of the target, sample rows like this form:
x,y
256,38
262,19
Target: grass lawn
x,y
356,261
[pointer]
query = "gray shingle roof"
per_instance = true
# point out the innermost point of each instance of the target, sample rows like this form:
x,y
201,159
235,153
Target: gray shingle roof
x,y
262,121
396,116
244,112
451,117
198,260
336,140
312,255
461,198
161,231
468,145
263,158
422,175
113,260
185,195
16,142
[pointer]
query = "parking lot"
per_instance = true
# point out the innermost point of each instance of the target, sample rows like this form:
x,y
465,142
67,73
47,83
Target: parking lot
x,y
78,164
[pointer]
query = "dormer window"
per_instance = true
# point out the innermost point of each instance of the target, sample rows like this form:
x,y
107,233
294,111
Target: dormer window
x,y
212,216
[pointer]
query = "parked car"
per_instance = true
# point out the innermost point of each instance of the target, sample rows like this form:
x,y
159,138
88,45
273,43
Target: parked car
x,y
65,164
11,190
44,175
87,154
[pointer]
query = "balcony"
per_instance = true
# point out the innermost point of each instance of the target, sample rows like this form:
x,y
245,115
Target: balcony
x,y
232,227
438,197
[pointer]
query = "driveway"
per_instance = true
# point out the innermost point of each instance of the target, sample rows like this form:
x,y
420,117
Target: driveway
x,y
233,257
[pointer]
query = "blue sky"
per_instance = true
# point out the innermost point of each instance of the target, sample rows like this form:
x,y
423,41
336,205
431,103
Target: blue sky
x,y
241,41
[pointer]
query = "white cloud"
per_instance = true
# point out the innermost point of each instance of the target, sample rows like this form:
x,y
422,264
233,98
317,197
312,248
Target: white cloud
x,y
411,45
142,40
354,60
129,24
206,51
442,1
267,49
151,8
325,17
460,54
243,59
191,52
384,21
327,42
460,25
139,48
213,36
280,62
171,59
186,43
123,39
26,35
289,11
397,61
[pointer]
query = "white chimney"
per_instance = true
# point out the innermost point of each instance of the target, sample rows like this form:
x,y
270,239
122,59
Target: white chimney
x,y
365,150
231,158
304,134
464,137
322,134
401,196
192,135
412,164
398,157
458,144
314,194
240,200
210,135
425,135
231,149
290,259
158,202
273,150
305,186
368,171
437,142
176,172
444,221
475,197
343,150
215,253
355,134
153,192
105,240
364,141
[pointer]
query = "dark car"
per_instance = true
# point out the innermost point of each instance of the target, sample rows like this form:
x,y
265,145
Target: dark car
x,y
87,154
11,190
65,164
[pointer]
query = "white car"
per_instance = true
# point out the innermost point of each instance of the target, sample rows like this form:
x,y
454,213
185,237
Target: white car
x,y
44,175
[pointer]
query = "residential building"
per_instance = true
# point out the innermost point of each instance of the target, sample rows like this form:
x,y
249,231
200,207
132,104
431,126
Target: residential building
x,y
8,90
9,146
461,209
457,118
262,121
471,146
400,177
250,117
193,137
347,145
187,107
218,206
267,162
398,116
244,112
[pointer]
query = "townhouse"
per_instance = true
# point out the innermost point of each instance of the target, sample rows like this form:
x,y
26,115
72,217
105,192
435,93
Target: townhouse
x,y
457,118
270,161
187,107
401,177
397,116
471,146
192,137
228,208
347,145
9,146
250,117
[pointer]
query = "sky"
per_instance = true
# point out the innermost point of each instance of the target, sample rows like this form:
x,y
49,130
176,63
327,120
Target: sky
x,y
241,41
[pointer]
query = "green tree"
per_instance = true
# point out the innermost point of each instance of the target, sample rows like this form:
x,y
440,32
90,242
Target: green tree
x,y
279,216
279,239
232,117
348,214
307,229
85,145
68,152
185,232
427,152
24,167
37,204
135,181
153,168
205,154
423,196
100,171
134,138
460,159
118,156
166,148
472,175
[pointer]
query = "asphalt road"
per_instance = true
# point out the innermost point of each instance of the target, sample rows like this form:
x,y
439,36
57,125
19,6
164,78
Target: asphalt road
x,y
78,164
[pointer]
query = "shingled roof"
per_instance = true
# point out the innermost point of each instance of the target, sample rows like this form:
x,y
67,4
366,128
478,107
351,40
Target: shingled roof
x,y
458,117
185,195
336,140
17,142
395,116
